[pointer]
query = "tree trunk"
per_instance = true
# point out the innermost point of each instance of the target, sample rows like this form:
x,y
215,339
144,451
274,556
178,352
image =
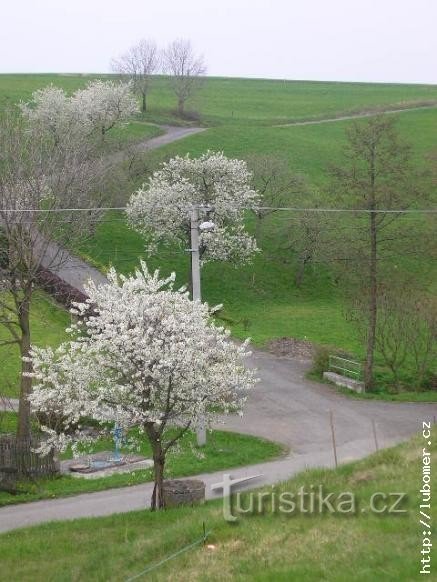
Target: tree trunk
x,y
144,103
258,229
158,468
181,107
155,437
24,421
373,288
300,271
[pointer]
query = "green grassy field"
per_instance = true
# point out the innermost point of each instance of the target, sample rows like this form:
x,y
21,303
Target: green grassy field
x,y
247,101
261,300
268,545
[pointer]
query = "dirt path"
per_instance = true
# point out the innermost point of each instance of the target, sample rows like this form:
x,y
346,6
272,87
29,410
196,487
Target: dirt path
x,y
355,116
171,133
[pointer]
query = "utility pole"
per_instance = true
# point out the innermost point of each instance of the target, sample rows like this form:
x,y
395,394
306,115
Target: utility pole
x,y
195,255
196,292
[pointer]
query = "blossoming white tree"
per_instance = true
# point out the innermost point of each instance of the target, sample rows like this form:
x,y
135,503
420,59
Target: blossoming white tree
x,y
96,109
103,105
142,355
219,186
50,109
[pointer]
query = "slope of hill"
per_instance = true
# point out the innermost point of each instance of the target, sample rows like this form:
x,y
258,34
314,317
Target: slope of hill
x,y
261,300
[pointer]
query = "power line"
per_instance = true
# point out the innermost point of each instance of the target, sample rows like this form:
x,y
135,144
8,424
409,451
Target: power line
x,y
187,208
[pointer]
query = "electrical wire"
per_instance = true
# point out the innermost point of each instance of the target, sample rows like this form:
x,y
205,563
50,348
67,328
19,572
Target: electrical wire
x,y
283,208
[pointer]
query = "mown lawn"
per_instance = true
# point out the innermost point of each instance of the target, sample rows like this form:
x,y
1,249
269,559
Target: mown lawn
x,y
223,450
362,546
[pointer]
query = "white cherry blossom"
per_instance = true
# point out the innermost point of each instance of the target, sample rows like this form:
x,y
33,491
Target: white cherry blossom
x,y
219,186
142,355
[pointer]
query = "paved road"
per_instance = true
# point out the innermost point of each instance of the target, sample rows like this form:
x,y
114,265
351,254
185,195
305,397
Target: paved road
x,y
355,116
284,407
172,133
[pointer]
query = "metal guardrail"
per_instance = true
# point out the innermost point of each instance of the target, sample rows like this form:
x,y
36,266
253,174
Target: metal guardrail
x,y
346,367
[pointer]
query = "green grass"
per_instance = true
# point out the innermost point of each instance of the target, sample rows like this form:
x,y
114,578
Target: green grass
x,y
222,451
270,547
8,421
48,323
132,133
261,300
263,294
246,101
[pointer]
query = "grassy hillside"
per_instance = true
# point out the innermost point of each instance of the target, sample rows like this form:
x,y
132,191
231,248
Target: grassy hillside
x,y
247,101
261,300
363,546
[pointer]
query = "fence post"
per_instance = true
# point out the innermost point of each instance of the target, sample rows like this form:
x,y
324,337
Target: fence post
x,y
334,445
375,438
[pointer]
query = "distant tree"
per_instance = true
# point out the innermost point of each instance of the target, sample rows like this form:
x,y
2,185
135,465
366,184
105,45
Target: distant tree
x,y
378,175
303,235
139,63
276,184
143,356
219,186
185,69
42,178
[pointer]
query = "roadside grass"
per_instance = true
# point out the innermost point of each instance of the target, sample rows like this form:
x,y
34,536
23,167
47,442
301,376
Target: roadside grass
x,y
8,421
48,323
269,545
223,450
407,396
